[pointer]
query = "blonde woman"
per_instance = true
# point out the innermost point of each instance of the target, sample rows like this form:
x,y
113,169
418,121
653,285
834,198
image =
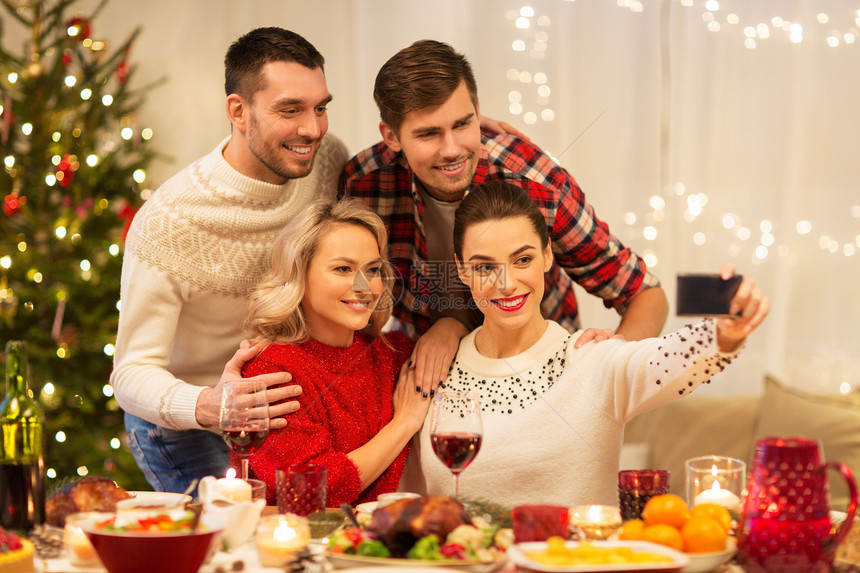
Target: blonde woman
x,y
320,309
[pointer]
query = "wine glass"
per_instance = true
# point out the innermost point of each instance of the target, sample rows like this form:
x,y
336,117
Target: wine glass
x,y
244,420
456,430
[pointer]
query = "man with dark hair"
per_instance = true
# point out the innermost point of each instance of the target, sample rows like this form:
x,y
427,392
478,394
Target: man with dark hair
x,y
198,247
432,151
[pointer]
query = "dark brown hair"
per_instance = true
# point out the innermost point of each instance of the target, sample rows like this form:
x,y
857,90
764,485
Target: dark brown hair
x,y
422,75
246,57
493,201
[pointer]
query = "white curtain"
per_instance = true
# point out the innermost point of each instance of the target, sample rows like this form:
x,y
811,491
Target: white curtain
x,y
704,125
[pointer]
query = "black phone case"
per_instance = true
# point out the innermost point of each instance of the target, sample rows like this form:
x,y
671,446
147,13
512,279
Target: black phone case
x,y
705,294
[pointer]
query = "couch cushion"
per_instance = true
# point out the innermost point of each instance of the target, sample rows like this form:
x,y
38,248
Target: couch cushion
x,y
695,426
832,420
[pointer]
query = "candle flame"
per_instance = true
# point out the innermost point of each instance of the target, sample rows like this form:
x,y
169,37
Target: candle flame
x,y
715,486
283,532
231,473
595,513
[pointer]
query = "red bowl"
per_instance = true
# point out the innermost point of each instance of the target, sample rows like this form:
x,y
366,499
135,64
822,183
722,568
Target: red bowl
x,y
137,553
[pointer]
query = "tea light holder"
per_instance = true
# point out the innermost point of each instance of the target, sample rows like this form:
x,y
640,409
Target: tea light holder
x,y
78,547
595,522
280,537
716,479
258,489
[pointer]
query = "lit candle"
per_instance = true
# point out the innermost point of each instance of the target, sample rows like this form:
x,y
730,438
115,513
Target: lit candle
x,y
233,488
596,522
280,537
78,546
718,496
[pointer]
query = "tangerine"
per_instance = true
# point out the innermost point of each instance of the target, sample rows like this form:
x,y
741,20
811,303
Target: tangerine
x,y
664,535
632,530
703,534
712,510
666,509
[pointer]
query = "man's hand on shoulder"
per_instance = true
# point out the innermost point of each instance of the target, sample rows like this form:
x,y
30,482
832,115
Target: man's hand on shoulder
x,y
278,391
502,127
597,335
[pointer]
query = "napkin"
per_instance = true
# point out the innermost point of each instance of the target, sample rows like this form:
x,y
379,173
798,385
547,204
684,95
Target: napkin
x,y
236,520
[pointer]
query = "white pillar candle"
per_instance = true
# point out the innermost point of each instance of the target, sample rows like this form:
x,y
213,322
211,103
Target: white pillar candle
x,y
718,496
235,489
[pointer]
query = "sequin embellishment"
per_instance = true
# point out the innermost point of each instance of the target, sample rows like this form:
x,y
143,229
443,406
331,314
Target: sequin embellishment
x,y
504,395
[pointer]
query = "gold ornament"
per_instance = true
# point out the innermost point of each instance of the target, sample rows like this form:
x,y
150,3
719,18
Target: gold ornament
x,y
34,70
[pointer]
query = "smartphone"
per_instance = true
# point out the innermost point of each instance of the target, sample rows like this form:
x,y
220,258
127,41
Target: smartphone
x,y
705,294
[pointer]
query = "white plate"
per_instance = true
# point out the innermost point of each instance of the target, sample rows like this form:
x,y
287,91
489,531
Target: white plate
x,y
344,561
160,497
704,562
394,569
517,554
367,507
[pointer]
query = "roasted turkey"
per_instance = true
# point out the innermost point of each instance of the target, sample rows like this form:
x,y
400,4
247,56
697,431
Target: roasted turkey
x,y
91,493
400,524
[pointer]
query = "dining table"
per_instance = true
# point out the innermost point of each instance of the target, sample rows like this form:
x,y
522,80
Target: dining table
x,y
227,562
244,559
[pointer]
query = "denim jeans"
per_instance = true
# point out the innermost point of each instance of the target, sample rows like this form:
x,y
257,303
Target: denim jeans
x,y
171,459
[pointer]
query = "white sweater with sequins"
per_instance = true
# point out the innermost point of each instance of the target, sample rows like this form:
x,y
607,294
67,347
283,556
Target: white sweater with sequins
x,y
193,253
553,416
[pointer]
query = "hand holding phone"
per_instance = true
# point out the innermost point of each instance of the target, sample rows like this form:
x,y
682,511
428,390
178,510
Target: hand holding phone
x,y
705,294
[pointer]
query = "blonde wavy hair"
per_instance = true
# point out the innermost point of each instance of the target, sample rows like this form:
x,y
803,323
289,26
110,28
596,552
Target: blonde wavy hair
x,y
275,312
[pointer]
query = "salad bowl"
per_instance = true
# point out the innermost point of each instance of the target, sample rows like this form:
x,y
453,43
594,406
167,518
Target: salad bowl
x,y
129,550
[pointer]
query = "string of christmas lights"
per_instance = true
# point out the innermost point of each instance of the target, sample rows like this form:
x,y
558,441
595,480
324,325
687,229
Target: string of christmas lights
x,y
532,38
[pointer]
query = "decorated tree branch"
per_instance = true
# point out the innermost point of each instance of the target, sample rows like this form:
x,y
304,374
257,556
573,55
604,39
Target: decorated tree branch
x,y
74,159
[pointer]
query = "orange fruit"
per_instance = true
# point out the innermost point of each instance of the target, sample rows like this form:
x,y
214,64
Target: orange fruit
x,y
703,534
664,535
712,510
666,509
632,530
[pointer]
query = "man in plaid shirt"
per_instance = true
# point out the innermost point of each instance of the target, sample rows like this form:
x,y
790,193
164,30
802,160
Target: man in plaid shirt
x,y
433,151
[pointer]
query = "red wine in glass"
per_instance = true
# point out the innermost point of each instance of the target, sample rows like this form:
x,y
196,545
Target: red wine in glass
x,y
457,449
456,430
244,419
243,442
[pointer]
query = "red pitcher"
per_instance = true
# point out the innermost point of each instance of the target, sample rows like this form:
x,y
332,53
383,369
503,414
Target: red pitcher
x,y
785,522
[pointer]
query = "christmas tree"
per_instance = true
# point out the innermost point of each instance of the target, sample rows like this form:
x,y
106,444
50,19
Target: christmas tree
x,y
74,159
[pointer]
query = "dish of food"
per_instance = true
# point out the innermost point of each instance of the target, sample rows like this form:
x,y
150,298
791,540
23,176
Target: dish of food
x,y
155,545
91,493
345,561
17,554
704,562
522,554
422,532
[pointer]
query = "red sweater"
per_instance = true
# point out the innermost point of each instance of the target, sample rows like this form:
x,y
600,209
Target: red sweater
x,y
346,399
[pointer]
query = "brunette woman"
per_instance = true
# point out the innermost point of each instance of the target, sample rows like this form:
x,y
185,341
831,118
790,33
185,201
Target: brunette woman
x,y
553,414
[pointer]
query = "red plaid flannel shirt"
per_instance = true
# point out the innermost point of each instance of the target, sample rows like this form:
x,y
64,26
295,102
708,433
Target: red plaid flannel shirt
x,y
584,249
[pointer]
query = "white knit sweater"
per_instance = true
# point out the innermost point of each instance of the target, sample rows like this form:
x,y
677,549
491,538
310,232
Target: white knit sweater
x,y
193,253
553,416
